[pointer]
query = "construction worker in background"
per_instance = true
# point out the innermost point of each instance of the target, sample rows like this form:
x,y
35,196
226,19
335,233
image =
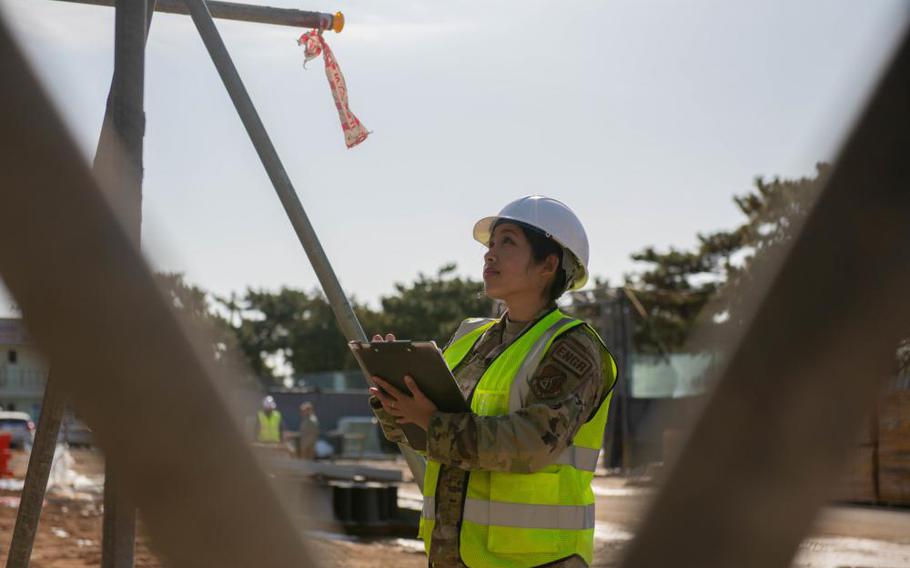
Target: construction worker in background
x,y
269,426
509,483
309,432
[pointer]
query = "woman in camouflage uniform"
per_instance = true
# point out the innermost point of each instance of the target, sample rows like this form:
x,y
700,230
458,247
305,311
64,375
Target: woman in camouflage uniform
x,y
527,266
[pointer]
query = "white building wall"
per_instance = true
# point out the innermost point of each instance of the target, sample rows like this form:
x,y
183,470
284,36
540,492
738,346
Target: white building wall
x,y
21,381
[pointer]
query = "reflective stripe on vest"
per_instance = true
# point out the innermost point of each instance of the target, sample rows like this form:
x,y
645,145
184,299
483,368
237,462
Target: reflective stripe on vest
x,y
579,457
429,508
464,339
526,516
520,515
520,385
469,325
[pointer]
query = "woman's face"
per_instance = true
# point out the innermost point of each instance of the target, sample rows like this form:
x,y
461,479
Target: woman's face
x,y
509,270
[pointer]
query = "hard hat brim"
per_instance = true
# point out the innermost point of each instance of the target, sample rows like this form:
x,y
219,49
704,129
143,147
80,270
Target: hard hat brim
x,y
483,231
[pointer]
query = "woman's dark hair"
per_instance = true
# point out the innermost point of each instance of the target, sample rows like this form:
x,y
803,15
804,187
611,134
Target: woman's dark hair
x,y
542,246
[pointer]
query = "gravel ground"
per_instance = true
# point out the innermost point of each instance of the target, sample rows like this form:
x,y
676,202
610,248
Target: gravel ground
x,y
69,535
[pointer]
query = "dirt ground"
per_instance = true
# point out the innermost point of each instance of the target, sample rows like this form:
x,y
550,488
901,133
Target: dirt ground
x,y
69,534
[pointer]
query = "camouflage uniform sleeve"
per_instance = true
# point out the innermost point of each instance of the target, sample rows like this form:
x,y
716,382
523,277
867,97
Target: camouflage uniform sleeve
x,y
557,400
390,428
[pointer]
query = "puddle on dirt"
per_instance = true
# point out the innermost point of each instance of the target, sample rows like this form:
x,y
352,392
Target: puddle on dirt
x,y
609,532
844,552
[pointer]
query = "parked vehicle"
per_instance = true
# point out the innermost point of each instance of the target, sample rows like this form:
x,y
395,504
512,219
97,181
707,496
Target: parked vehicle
x,y
74,432
20,425
356,436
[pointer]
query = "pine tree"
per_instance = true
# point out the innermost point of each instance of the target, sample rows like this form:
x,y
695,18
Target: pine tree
x,y
676,285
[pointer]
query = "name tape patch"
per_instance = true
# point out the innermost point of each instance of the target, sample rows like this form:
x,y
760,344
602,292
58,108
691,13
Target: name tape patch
x,y
570,354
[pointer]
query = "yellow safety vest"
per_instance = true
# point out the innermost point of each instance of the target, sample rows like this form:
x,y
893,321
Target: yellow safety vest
x,y
523,519
270,427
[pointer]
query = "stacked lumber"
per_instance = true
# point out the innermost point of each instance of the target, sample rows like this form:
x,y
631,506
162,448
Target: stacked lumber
x,y
894,445
858,482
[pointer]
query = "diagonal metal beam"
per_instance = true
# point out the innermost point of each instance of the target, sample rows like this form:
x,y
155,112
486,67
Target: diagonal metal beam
x,y
247,13
39,468
766,452
284,188
149,391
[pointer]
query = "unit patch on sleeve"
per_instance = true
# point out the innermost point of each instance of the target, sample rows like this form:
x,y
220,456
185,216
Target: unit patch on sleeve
x,y
573,356
548,383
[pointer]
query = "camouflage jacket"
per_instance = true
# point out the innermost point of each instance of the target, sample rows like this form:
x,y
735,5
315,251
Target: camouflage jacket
x,y
563,394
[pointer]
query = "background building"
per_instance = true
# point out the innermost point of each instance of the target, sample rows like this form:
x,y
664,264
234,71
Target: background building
x,y
23,373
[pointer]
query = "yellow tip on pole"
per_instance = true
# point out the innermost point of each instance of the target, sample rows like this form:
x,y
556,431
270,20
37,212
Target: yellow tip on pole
x,y
338,22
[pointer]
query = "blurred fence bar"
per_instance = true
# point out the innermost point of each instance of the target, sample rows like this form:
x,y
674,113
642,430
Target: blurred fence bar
x,y
806,371
92,306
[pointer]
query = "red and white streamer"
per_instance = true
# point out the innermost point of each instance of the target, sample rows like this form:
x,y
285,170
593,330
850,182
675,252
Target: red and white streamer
x,y
313,44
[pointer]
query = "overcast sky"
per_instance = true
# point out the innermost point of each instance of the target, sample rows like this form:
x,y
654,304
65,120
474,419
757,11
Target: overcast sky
x,y
645,116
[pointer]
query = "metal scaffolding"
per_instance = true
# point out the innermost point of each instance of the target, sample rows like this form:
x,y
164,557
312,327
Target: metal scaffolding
x,y
118,161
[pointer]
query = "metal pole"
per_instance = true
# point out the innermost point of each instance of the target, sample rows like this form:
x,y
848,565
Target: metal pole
x,y
247,13
344,314
625,336
39,468
123,170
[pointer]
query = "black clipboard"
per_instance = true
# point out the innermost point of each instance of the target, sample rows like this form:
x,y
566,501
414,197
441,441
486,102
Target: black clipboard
x,y
392,360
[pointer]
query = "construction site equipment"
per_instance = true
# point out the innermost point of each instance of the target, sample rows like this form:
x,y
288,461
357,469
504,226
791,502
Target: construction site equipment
x,y
365,504
360,500
554,218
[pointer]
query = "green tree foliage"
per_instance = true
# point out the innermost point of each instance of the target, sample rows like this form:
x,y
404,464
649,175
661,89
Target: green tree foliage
x,y
195,305
673,291
187,298
295,330
774,211
675,286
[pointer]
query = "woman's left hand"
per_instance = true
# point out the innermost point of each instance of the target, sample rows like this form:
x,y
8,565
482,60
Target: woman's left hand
x,y
415,408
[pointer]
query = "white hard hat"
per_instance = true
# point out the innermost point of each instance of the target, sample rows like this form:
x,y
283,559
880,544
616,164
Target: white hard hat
x,y
269,403
557,221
